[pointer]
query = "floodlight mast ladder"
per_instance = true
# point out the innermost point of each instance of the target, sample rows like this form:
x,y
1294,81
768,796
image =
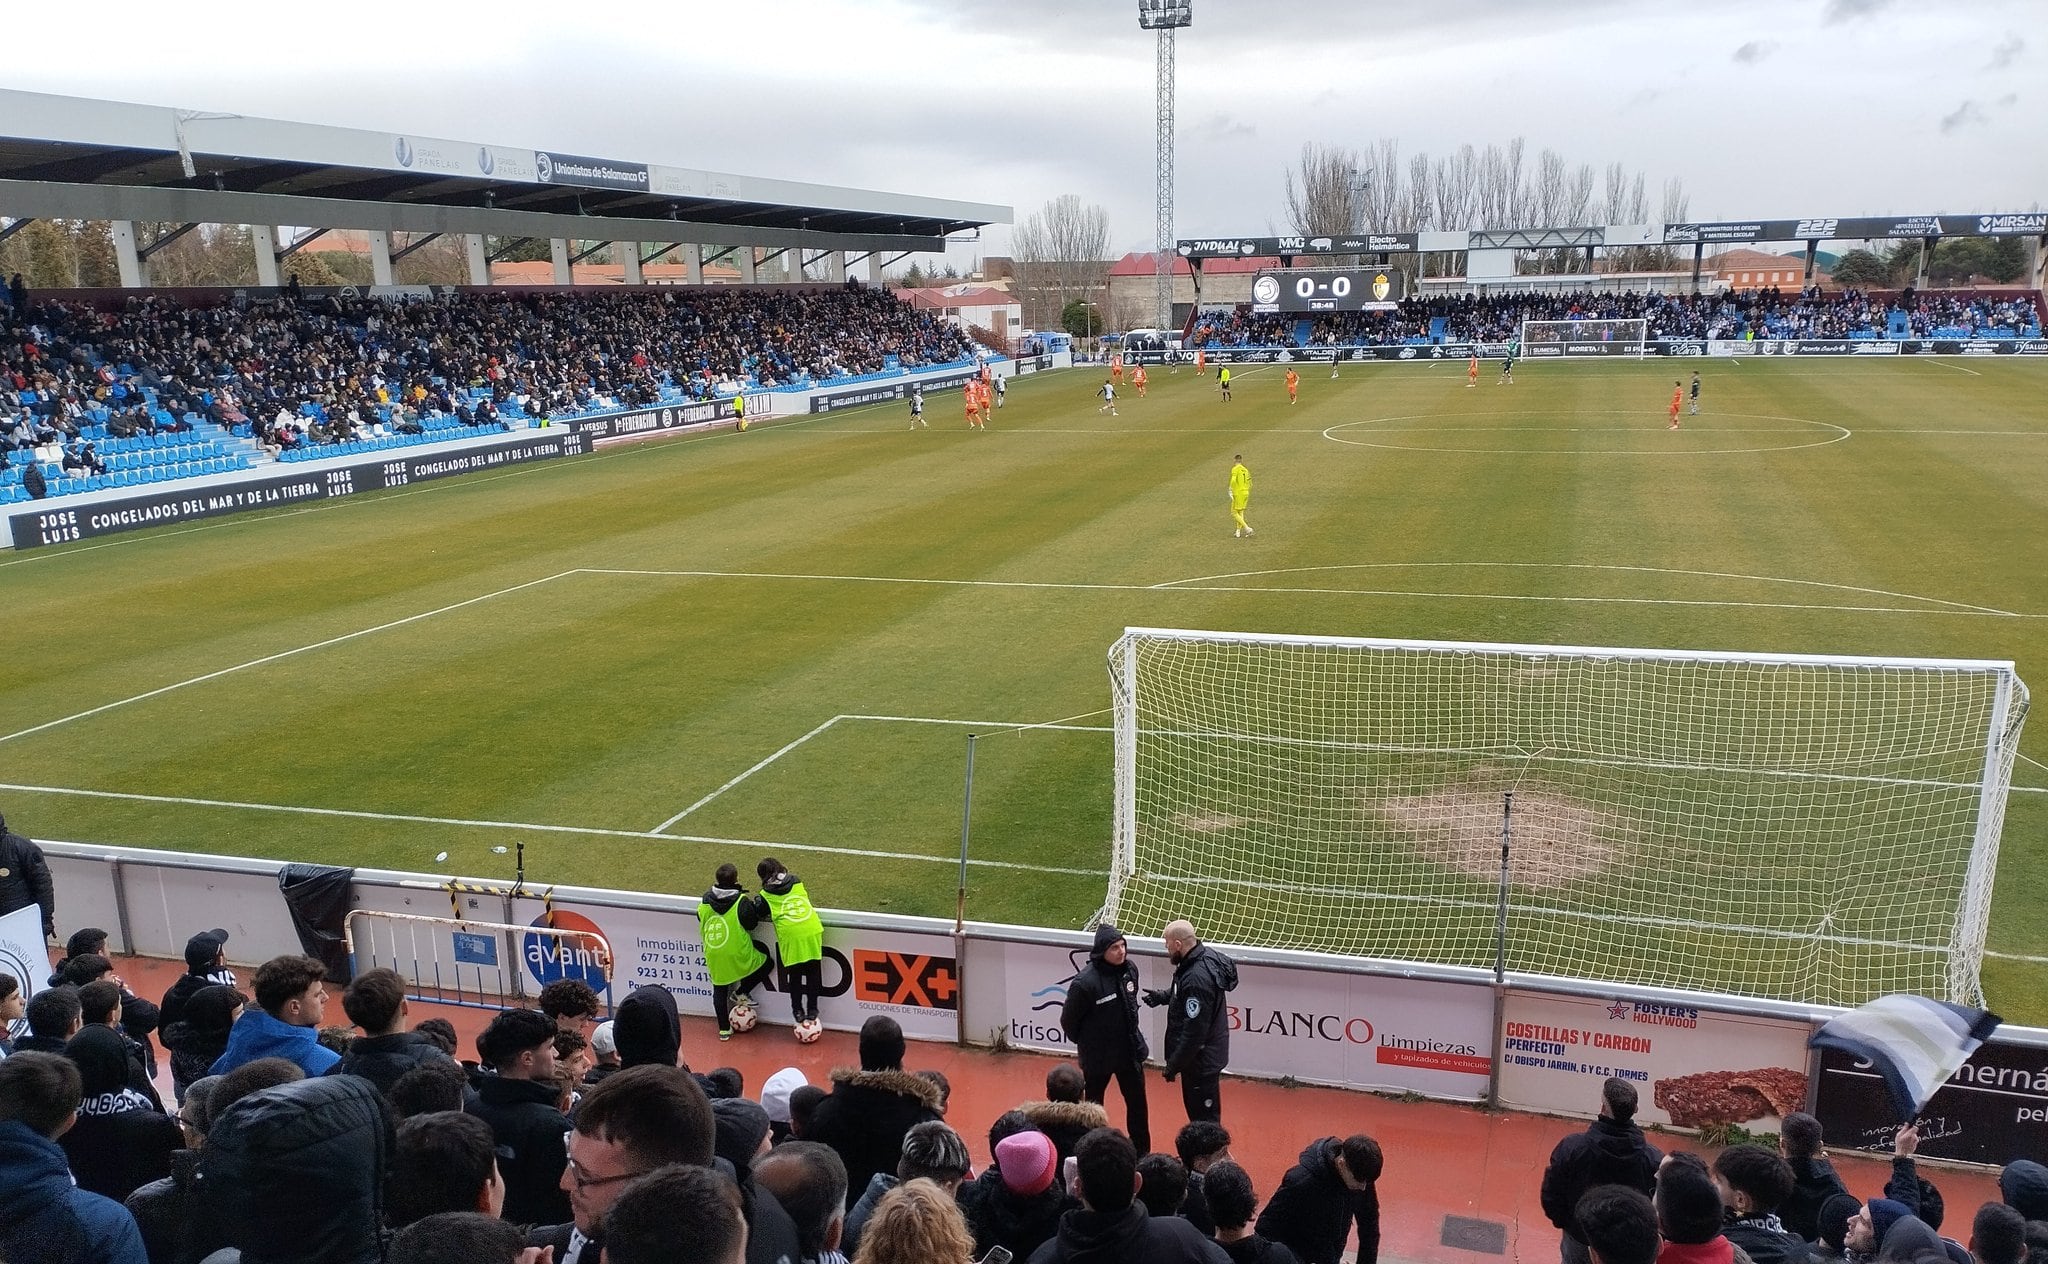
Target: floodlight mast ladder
x,y
1165,17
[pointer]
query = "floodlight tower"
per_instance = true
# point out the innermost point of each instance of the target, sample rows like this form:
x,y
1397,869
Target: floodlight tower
x,y
1165,17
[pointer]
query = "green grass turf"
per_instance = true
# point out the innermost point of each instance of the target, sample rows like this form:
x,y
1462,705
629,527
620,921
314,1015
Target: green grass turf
x,y
611,702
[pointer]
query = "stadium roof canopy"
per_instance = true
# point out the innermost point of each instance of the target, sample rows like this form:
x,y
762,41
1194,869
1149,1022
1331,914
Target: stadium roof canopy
x,y
79,158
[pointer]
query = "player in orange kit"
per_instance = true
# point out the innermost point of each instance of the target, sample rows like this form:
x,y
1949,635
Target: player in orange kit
x,y
1293,386
1138,380
1472,370
1677,391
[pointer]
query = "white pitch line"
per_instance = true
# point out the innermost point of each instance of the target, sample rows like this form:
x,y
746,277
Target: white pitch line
x,y
1188,586
748,773
767,846
282,654
1957,367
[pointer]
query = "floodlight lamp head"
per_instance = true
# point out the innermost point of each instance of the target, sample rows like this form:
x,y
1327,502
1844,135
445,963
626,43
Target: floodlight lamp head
x,y
1159,15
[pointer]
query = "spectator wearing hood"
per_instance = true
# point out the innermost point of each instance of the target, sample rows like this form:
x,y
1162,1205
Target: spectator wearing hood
x,y
1100,1015
291,1000
375,1002
1612,1151
1753,1184
1814,1180
295,1174
869,1110
1335,1183
519,1102
1690,1213
1111,1224
121,1140
44,1216
206,965
646,1030
25,876
1017,1201
775,1099
200,1035
2023,1184
1197,1020
931,1152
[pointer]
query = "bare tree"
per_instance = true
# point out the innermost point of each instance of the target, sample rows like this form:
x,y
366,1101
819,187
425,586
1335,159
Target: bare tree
x,y
1324,192
1062,252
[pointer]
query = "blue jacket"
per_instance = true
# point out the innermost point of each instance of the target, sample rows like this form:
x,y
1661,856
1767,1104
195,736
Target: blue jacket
x,y
44,1217
257,1035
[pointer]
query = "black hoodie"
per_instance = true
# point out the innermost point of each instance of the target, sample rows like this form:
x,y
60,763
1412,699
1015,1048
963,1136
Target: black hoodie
x,y
1130,1236
1312,1211
647,1029
1101,1011
1610,1152
1019,1225
295,1174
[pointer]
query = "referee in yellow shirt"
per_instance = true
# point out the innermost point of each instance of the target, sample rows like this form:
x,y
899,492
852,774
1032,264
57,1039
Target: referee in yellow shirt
x,y
1240,494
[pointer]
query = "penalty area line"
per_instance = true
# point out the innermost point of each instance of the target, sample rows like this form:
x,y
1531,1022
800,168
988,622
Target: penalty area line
x,y
765,845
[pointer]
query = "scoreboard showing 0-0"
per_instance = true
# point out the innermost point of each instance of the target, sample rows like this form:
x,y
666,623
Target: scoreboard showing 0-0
x,y
1329,290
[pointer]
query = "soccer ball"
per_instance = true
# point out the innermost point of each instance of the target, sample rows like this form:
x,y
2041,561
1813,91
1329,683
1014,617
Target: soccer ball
x,y
808,1031
744,1016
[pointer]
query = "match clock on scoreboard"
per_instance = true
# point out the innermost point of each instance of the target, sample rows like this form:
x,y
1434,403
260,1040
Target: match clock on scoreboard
x,y
1329,290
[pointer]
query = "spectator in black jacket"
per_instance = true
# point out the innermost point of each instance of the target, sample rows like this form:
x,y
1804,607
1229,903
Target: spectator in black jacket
x,y
445,1161
1610,1152
1111,1224
1017,1201
1063,1115
1162,1184
206,965
1197,1020
1620,1225
2023,1184
375,1002
167,1210
1100,1016
519,1102
54,1017
1998,1235
869,1109
298,1168
1334,1184
1227,1188
1754,1183
99,1005
1813,1177
1201,1146
24,874
121,1140
200,1035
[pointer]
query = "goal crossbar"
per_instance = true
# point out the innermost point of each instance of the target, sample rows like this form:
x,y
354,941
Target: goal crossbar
x,y
1805,827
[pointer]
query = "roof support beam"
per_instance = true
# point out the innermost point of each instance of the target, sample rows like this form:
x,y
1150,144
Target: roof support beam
x,y
184,205
302,241
16,226
411,246
507,246
165,240
595,246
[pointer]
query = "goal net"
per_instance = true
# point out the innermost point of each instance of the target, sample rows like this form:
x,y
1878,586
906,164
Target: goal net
x,y
1808,828
1543,339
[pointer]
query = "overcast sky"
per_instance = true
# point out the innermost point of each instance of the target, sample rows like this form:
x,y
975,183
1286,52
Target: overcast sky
x,y
1764,107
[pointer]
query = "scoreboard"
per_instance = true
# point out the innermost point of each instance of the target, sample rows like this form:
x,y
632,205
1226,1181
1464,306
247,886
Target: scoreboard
x,y
1329,290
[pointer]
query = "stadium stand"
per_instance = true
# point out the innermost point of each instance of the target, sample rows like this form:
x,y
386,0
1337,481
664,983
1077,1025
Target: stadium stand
x,y
164,390
1767,313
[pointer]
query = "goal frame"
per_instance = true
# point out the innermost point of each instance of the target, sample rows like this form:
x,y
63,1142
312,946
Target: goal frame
x,y
1637,347
1969,925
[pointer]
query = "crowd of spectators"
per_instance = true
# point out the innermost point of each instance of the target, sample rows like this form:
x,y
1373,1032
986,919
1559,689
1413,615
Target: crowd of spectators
x,y
576,1138
327,369
1732,314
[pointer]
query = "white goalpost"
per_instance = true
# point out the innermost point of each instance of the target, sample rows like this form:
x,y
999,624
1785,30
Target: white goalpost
x,y
1561,339
1803,827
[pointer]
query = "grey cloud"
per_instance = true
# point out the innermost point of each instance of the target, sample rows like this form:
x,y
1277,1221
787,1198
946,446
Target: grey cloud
x,y
1222,127
2009,99
1755,51
2007,51
1963,115
1850,10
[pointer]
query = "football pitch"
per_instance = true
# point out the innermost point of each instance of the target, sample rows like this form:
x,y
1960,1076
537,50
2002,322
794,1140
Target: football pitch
x,y
646,661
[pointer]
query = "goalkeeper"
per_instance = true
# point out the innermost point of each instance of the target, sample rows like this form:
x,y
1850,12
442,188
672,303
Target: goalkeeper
x,y
736,963
1240,494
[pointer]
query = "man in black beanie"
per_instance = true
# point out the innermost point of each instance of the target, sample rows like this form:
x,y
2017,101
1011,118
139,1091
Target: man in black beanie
x,y
865,1116
1101,1017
